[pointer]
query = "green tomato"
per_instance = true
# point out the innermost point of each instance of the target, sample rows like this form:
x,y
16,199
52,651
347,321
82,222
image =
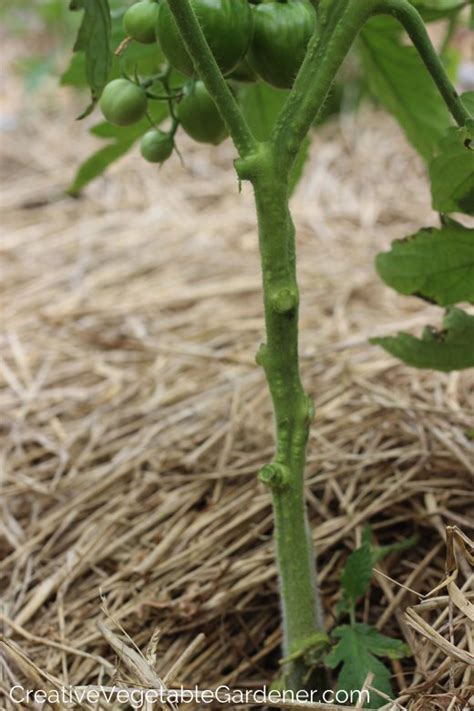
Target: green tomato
x,y
244,73
227,26
282,31
123,102
139,21
156,146
199,116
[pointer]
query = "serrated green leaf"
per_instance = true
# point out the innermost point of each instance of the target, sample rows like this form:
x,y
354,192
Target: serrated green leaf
x,y
94,39
357,651
357,574
436,264
435,10
452,348
97,163
399,80
440,5
380,552
75,73
452,168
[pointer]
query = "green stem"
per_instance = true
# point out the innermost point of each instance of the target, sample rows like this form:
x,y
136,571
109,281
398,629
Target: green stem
x,y
339,24
206,67
293,409
411,20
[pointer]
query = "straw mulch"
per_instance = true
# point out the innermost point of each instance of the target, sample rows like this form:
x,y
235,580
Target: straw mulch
x,y
136,419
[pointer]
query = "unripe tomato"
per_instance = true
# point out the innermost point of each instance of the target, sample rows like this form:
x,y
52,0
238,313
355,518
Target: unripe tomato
x,y
282,31
244,73
139,21
123,102
227,26
199,116
156,146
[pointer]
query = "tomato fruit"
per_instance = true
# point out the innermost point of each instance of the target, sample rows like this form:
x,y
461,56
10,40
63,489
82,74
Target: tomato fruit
x,y
244,73
156,146
199,116
227,26
282,31
139,21
123,102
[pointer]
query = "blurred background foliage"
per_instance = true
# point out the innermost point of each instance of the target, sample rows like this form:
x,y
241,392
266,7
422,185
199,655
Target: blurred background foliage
x,y
50,29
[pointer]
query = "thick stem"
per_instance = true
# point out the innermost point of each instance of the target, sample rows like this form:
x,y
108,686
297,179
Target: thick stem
x,y
292,408
209,72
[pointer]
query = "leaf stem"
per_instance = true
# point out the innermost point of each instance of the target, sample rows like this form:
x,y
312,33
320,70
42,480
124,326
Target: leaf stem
x,y
411,20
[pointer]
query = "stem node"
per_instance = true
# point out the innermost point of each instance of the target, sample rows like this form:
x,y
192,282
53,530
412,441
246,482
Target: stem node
x,y
261,356
284,300
249,166
274,475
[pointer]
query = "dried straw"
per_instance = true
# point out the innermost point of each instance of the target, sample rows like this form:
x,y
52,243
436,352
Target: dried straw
x,y
135,418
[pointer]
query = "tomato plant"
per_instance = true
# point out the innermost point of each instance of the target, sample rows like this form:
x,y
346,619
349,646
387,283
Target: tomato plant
x,y
299,47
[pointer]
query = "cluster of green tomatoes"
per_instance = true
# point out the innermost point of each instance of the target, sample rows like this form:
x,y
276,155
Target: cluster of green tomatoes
x,y
250,40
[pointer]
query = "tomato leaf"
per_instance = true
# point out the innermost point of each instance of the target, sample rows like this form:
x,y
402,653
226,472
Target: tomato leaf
x,y
451,348
434,10
357,650
440,5
357,574
452,168
75,74
94,39
381,552
97,163
399,80
437,265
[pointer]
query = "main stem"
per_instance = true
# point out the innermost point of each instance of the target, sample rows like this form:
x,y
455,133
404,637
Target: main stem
x,y
293,411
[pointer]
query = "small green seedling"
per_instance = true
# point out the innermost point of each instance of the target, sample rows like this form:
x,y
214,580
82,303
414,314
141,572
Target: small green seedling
x,y
359,646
